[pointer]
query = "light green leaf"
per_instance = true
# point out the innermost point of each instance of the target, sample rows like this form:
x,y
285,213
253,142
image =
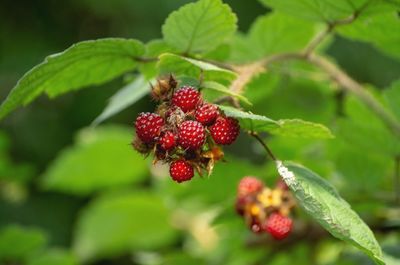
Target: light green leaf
x,y
249,120
329,10
382,31
274,33
83,64
392,97
101,158
283,127
53,257
319,199
121,222
223,89
300,128
125,97
183,66
199,27
18,243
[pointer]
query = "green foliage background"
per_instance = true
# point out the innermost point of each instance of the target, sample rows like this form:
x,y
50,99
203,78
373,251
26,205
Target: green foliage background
x,y
74,193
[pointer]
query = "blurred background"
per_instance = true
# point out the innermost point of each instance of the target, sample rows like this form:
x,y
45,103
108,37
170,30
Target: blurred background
x,y
76,195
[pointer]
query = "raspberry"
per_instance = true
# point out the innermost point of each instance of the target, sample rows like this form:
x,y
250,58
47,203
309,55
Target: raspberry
x,y
249,185
181,170
241,203
148,126
186,98
278,226
167,141
207,113
191,135
225,130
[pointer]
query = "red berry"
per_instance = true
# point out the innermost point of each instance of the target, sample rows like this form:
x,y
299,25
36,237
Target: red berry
x,y
186,98
191,135
255,226
181,170
249,185
148,126
278,226
241,203
225,130
167,141
207,113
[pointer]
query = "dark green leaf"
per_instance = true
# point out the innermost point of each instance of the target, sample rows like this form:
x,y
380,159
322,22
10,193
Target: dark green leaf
x,y
83,64
183,66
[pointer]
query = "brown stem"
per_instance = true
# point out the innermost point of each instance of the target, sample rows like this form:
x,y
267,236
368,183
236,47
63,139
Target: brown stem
x,y
258,138
349,84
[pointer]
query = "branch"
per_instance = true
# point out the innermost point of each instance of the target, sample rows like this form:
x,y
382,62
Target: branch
x,y
258,138
349,84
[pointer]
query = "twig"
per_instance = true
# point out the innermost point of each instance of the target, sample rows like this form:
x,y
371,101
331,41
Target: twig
x,y
397,179
349,84
269,152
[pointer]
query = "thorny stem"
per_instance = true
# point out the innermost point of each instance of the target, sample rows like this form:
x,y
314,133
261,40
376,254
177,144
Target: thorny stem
x,y
261,141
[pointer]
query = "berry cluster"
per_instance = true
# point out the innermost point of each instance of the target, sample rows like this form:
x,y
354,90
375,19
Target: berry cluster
x,y
265,209
185,131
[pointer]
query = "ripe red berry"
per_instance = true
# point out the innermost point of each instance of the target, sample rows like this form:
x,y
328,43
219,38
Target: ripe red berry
x,y
148,126
191,135
207,113
181,170
249,185
278,226
225,130
186,98
167,141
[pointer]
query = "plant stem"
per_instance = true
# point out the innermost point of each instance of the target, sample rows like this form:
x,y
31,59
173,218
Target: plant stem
x,y
258,138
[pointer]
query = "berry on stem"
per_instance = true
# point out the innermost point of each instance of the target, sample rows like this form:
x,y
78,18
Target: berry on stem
x,y
191,135
225,130
206,113
278,226
167,141
148,126
186,98
181,170
249,185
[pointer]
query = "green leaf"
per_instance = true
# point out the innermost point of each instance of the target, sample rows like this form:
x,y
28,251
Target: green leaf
x,y
283,127
392,97
273,33
18,243
319,199
101,158
125,97
153,49
183,66
381,30
249,120
223,89
120,222
328,10
83,64
300,128
199,27
53,257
